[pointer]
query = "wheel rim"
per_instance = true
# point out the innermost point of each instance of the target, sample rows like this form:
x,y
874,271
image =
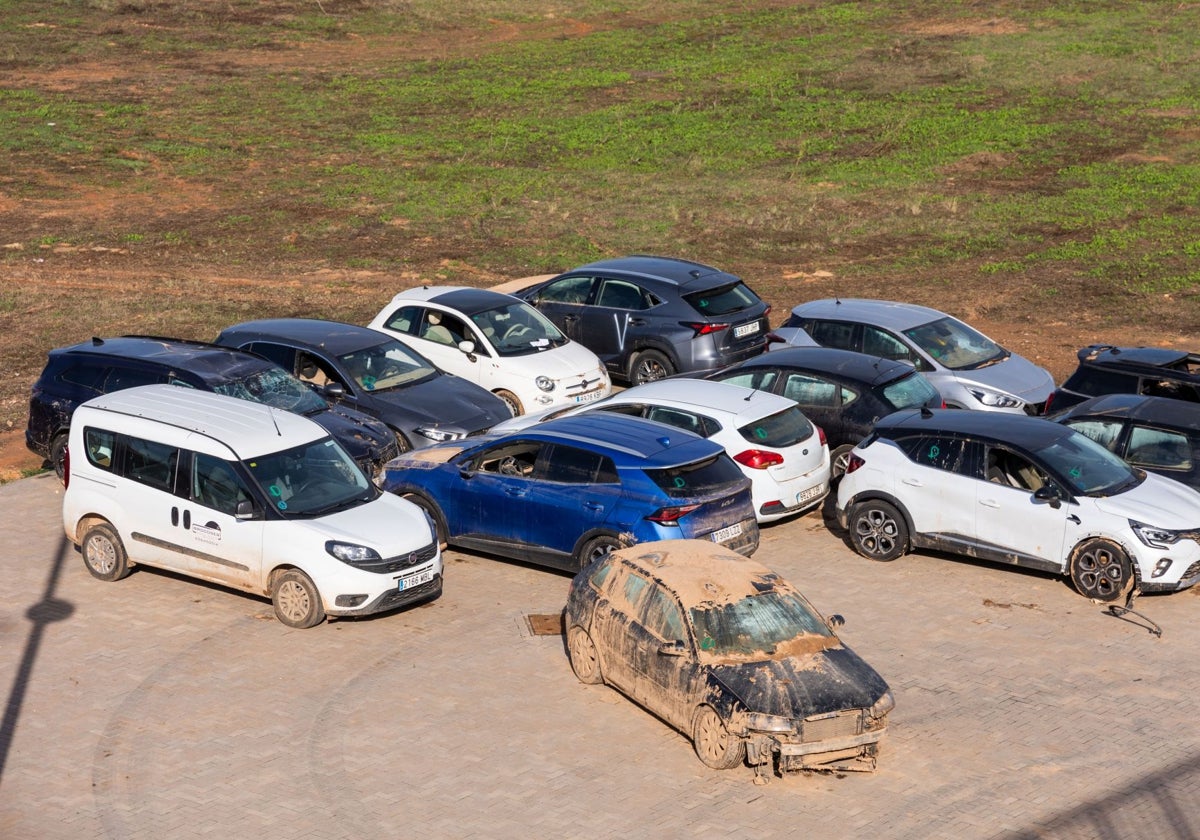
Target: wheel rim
x,y
650,370
1100,573
712,738
294,601
877,532
599,550
583,654
840,463
101,555
514,407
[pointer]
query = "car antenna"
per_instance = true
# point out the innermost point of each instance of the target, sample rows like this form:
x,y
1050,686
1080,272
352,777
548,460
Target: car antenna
x,y
97,341
837,301
278,433
926,413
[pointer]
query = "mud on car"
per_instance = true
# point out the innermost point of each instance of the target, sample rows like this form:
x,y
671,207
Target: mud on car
x,y
730,654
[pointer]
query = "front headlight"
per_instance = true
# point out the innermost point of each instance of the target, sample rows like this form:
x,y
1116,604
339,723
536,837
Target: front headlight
x,y
760,722
352,554
439,435
1154,537
995,399
545,383
883,705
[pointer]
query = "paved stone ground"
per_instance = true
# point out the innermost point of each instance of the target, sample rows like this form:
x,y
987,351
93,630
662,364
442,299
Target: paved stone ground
x,y
156,707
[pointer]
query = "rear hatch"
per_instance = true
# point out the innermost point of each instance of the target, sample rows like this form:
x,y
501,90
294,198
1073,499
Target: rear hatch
x,y
716,497
735,314
789,434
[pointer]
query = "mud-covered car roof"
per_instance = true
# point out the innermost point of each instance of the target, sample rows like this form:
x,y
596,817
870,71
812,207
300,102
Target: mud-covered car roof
x,y
846,364
1157,411
335,337
1152,358
1018,429
700,572
210,362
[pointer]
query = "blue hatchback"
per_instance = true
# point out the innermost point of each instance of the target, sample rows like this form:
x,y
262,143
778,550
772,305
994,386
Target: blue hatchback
x,y
567,491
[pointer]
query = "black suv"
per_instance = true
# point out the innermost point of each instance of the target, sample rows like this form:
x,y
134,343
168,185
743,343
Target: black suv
x,y
1154,371
651,317
76,374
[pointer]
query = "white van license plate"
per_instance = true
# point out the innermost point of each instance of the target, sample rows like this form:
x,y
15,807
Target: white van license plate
x,y
727,533
417,579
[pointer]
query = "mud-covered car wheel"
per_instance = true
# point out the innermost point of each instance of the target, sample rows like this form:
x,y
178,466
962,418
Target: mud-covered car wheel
x,y
585,662
296,601
58,451
715,745
1100,570
648,366
511,400
877,530
103,553
838,459
597,547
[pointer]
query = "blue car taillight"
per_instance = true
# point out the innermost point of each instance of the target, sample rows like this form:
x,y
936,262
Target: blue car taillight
x,y
671,515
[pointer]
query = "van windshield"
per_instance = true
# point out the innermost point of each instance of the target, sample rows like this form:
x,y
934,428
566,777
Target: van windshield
x,y
315,479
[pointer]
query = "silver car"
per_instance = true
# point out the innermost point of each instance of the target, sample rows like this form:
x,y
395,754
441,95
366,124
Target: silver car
x,y
968,368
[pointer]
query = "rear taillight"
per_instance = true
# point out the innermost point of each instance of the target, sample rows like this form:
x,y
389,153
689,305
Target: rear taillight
x,y
758,459
821,434
1049,399
703,327
66,466
853,463
671,515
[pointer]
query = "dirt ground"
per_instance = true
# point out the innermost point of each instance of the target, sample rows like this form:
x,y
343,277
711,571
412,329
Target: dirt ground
x,y
43,282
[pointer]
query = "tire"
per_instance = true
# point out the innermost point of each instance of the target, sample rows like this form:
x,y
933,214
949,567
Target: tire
x,y
838,459
1101,570
878,531
597,547
510,399
434,513
585,662
103,553
296,600
648,366
714,744
58,449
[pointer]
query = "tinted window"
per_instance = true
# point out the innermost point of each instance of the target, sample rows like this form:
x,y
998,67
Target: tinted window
x,y
567,290
618,294
1095,382
723,300
122,378
514,459
87,376
785,428
569,465
151,463
99,446
1159,448
403,319
696,479
943,453
686,420
912,391
837,334
1104,432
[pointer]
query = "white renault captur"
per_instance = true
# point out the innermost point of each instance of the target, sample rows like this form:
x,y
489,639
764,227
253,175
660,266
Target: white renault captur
x,y
497,341
242,495
1019,490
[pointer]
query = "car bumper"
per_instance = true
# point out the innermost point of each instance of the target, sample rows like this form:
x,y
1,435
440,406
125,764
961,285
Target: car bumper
x,y
392,598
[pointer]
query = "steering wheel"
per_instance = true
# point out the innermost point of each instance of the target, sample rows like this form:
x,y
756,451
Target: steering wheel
x,y
509,466
515,331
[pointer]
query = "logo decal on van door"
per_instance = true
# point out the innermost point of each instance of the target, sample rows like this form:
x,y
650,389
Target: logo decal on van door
x,y
209,533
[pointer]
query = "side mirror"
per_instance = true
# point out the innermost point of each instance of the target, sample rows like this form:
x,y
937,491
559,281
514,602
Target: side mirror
x,y
1048,494
835,621
468,348
245,510
675,648
333,390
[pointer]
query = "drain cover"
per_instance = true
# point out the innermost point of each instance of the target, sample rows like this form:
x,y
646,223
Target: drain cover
x,y
545,624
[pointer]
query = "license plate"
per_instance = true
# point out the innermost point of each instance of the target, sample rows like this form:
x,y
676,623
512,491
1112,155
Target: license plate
x,y
810,493
589,396
727,533
409,581
745,330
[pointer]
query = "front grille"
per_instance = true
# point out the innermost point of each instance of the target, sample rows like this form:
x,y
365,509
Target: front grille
x,y
389,565
398,598
839,725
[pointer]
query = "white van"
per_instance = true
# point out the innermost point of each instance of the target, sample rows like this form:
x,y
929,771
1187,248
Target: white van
x,y
242,495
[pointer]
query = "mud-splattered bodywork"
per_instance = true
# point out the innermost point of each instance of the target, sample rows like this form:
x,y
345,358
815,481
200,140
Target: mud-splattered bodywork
x,y
682,625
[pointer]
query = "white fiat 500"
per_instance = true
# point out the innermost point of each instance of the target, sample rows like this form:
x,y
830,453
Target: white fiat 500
x,y
1019,490
784,455
497,341
242,495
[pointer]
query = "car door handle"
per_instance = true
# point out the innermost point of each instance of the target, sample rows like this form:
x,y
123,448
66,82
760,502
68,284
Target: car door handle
x,y
1073,518
637,322
187,520
174,517
514,491
570,319
992,503
593,506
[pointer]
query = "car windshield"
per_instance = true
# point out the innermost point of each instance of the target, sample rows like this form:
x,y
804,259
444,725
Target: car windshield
x,y
311,480
1087,467
385,366
955,346
518,330
274,387
775,623
912,391
697,479
723,300
784,428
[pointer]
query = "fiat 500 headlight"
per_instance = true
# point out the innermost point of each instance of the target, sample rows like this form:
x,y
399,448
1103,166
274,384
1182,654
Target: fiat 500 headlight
x,y
545,383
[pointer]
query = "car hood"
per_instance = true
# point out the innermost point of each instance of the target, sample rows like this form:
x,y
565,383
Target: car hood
x,y
1162,502
798,686
446,402
356,431
572,361
1016,375
390,525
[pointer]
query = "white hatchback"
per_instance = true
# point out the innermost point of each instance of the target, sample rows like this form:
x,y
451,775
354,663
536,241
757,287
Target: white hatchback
x,y
784,455
497,341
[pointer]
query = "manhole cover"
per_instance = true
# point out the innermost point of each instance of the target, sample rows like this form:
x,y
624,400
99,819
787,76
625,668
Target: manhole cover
x,y
545,624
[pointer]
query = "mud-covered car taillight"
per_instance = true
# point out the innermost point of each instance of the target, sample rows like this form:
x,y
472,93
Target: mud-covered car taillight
x,y
854,463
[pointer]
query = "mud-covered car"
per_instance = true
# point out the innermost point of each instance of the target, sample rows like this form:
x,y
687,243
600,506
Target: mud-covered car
x,y
1154,371
729,653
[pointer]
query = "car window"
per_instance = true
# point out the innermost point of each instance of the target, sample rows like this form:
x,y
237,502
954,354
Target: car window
x,y
698,478
1104,432
99,446
838,334
312,479
443,328
122,378
877,342
151,463
404,319
687,420
512,459
784,428
274,387
662,616
600,573
385,366
620,294
1096,382
87,376
911,391
759,380
567,290
1003,466
633,590
1087,467
1170,388
807,389
216,484
570,465
757,624
518,329
315,371
723,300
937,451
955,345
1159,448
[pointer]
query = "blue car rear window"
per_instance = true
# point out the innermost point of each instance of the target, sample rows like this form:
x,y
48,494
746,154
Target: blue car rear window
x,y
698,478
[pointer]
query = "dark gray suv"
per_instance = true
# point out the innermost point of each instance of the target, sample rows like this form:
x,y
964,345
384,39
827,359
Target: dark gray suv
x,y
651,317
